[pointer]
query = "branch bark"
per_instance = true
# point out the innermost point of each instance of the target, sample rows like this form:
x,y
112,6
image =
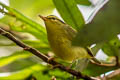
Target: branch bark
x,y
43,57
115,63
111,75
103,64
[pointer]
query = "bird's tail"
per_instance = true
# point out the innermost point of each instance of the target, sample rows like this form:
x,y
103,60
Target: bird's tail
x,y
81,64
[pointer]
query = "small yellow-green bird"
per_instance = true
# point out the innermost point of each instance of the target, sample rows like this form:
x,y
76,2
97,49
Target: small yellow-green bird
x,y
60,37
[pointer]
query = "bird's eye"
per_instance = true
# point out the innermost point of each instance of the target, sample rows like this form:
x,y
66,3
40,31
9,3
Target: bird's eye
x,y
53,18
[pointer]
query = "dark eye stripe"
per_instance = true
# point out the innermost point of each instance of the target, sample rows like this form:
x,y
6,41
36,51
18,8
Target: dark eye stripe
x,y
56,19
52,18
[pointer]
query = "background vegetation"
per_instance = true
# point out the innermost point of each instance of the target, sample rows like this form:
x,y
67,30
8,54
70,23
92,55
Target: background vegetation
x,y
21,19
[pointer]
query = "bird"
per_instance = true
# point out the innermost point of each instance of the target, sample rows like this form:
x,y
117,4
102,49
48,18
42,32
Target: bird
x,y
60,36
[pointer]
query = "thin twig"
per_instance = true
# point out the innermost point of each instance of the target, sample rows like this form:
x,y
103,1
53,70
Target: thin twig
x,y
43,57
115,63
103,64
113,74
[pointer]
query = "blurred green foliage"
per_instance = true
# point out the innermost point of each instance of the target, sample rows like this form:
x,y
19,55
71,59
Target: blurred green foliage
x,y
104,27
23,22
83,2
70,13
18,55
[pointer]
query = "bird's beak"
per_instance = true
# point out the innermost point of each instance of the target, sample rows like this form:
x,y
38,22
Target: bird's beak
x,y
42,17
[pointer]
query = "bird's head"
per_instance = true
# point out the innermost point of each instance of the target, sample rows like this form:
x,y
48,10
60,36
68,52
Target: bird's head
x,y
52,19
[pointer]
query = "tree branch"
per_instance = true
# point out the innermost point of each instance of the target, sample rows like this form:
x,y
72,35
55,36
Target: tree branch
x,y
115,63
103,64
43,57
111,75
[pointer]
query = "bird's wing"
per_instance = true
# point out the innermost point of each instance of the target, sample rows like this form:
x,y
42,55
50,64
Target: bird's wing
x,y
71,33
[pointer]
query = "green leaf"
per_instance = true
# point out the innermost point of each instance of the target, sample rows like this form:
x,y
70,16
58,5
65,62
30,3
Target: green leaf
x,y
4,41
9,59
112,48
60,75
83,2
38,6
6,19
26,29
104,27
96,70
32,24
23,74
38,44
20,64
44,48
23,18
70,13
44,7
41,76
96,48
48,74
